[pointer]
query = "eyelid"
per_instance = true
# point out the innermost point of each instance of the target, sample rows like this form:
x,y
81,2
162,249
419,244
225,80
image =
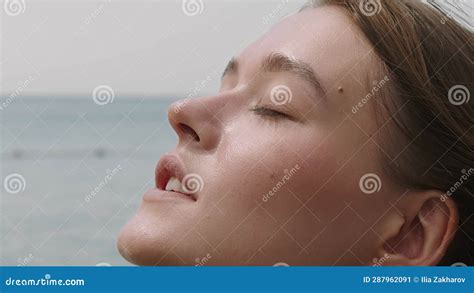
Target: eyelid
x,y
270,112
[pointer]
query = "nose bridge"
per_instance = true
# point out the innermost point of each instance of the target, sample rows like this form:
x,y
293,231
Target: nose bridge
x,y
196,121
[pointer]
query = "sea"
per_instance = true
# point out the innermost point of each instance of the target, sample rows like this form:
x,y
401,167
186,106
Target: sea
x,y
73,172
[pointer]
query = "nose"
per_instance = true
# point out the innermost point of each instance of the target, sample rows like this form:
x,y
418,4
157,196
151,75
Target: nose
x,y
195,123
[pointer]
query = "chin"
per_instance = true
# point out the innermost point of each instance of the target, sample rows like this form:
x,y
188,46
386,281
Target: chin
x,y
134,247
144,247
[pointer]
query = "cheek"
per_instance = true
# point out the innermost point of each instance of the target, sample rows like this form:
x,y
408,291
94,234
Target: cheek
x,y
252,159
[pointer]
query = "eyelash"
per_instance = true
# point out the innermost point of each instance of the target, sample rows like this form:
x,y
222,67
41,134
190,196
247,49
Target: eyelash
x,y
270,113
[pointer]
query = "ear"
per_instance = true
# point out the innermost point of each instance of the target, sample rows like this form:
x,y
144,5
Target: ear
x,y
420,231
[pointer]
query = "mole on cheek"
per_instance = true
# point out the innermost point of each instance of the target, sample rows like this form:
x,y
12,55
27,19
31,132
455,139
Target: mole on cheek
x,y
340,89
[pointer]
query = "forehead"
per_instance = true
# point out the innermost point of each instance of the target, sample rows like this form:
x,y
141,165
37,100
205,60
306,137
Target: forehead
x,y
324,37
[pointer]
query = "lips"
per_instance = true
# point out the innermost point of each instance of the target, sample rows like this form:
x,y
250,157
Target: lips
x,y
169,174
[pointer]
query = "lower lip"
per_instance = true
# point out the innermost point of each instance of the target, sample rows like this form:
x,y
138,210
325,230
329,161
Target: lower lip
x,y
156,194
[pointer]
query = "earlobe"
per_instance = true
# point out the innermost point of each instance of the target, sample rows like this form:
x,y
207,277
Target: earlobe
x,y
430,222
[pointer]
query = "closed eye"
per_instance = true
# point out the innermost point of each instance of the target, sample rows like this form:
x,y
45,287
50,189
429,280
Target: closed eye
x,y
268,112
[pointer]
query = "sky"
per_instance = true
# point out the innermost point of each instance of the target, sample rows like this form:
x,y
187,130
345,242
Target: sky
x,y
137,48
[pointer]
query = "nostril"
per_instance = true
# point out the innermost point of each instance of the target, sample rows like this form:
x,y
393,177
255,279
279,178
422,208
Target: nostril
x,y
188,130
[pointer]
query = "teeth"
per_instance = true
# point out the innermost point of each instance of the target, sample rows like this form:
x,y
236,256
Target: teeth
x,y
174,185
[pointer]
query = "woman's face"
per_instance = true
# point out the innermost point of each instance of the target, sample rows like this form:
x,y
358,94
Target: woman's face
x,y
277,154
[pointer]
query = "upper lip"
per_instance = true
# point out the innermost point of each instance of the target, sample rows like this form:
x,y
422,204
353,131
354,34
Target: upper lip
x,y
169,166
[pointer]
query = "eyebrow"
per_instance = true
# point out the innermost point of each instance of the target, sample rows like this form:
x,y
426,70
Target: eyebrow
x,y
277,62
